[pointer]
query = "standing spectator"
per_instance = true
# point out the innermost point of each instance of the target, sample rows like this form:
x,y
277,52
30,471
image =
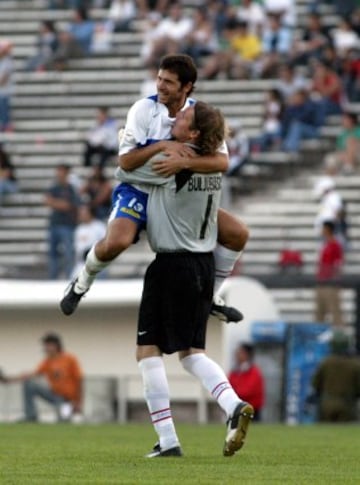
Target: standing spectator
x,y
300,121
77,40
326,89
347,151
8,184
337,383
6,84
276,44
47,45
102,139
331,207
89,231
63,202
97,194
328,301
64,381
247,380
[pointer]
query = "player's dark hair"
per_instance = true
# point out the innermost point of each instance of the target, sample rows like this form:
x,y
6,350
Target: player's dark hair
x,y
183,66
210,123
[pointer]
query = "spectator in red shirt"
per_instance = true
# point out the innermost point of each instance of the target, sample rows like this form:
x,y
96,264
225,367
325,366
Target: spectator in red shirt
x,y
326,90
247,380
328,273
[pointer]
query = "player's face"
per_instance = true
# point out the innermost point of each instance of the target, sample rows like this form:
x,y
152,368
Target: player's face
x,y
170,92
181,130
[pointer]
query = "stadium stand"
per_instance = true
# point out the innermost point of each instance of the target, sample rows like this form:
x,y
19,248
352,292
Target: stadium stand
x,y
52,110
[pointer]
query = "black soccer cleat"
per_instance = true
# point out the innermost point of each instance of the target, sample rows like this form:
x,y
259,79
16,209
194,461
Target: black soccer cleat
x,y
71,299
225,313
237,427
171,452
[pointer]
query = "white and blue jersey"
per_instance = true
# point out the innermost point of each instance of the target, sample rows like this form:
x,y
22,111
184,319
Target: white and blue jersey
x,y
147,122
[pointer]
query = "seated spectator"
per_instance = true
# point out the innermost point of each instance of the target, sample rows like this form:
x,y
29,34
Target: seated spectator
x,y
329,267
351,76
337,383
158,7
47,45
64,384
247,380
270,137
73,4
253,14
63,201
202,40
289,81
276,45
284,9
97,194
89,231
169,35
344,37
102,140
313,41
238,59
238,146
326,90
300,121
121,15
77,40
6,84
8,184
346,156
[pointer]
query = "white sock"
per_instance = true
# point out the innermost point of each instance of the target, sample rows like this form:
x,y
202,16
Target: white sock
x,y
156,391
213,379
89,271
224,264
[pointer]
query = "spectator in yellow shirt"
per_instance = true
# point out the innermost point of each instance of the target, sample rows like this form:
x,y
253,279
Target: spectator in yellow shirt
x,y
236,60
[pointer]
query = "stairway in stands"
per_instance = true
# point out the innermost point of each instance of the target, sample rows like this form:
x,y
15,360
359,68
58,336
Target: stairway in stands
x,y
52,111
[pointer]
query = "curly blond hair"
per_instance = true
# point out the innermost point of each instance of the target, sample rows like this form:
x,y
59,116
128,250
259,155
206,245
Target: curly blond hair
x,y
211,125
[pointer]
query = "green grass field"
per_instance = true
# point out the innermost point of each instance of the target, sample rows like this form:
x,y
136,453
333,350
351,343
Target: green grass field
x,y
113,454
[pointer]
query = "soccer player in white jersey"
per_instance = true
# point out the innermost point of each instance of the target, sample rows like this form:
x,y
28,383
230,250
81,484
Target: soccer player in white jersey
x,y
147,133
182,231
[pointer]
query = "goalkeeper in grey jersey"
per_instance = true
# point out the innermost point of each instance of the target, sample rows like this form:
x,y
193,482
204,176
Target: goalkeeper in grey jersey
x,y
178,285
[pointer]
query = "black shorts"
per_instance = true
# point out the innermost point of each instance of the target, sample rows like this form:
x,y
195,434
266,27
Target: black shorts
x,y
176,301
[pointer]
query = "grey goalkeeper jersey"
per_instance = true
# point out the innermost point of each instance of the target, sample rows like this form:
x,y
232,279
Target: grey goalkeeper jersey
x,y
182,209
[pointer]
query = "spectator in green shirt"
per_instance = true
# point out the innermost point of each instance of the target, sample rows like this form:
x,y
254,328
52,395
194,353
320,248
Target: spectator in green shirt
x,y
346,156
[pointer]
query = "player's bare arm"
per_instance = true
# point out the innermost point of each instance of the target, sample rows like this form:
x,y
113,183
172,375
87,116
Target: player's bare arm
x,y
139,156
201,164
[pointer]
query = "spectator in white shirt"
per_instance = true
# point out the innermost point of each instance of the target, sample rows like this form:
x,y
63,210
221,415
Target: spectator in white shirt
x,y
170,33
87,233
121,14
101,140
344,37
253,14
